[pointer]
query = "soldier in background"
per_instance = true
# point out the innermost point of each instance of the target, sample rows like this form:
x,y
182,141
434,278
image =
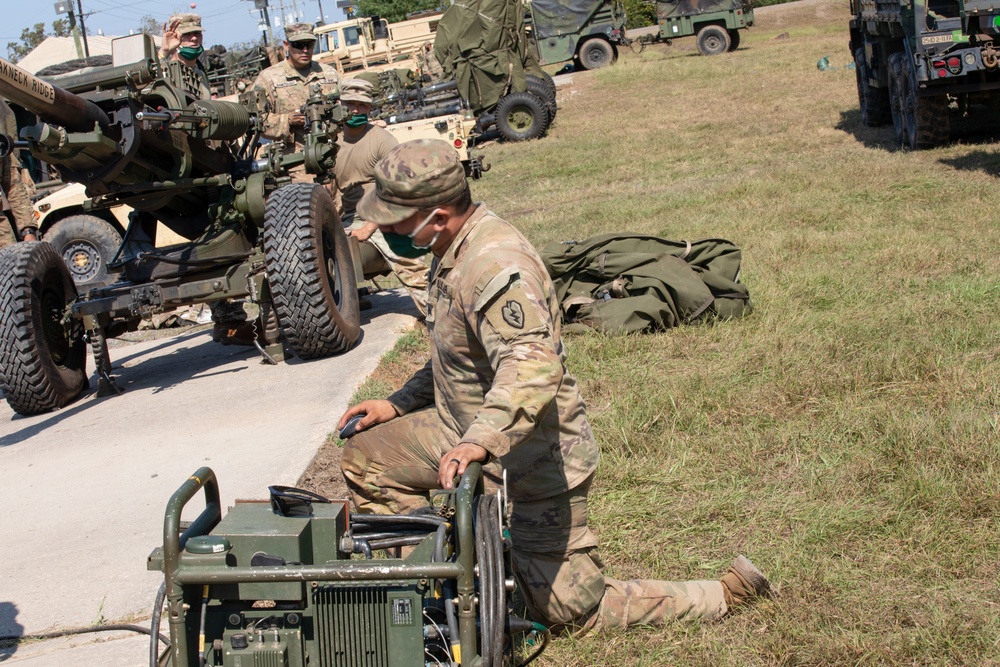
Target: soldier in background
x,y
287,87
496,390
182,41
17,219
361,146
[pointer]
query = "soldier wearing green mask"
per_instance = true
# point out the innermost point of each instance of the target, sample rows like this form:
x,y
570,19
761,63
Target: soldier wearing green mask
x,y
182,41
496,390
286,86
361,146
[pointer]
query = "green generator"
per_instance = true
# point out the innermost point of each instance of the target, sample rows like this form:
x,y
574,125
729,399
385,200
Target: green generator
x,y
295,581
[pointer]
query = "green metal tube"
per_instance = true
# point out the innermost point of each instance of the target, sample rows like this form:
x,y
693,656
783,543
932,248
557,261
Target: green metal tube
x,y
466,556
369,570
174,541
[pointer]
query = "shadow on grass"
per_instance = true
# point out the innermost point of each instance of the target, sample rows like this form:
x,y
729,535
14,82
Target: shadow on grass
x,y
980,128
979,160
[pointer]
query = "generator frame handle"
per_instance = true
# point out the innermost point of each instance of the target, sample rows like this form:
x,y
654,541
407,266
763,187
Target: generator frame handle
x,y
174,541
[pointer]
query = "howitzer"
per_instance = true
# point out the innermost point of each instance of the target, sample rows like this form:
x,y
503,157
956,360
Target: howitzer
x,y
281,584
137,134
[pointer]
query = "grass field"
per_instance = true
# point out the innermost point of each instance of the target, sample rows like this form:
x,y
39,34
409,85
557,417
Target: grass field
x,y
845,435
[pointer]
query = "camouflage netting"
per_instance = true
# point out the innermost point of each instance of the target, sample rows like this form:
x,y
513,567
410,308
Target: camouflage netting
x,y
482,44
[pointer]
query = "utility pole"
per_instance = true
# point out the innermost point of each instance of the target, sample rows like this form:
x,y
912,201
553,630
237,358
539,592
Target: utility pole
x,y
322,18
66,7
262,6
83,28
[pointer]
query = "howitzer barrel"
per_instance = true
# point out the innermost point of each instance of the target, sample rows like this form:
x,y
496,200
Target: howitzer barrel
x,y
51,103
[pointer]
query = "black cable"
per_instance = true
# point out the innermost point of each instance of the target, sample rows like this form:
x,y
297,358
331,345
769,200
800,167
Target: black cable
x,y
546,637
94,628
396,542
154,624
364,519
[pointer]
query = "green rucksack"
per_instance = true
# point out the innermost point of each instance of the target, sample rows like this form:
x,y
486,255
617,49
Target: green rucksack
x,y
627,283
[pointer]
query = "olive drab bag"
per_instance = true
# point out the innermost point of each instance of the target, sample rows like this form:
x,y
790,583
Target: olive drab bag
x,y
630,283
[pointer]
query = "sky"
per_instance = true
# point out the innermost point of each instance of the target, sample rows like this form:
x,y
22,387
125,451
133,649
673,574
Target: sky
x,y
225,22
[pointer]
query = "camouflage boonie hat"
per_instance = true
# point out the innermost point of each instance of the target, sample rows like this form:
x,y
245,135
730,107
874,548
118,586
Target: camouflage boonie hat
x,y
187,23
299,32
356,90
416,175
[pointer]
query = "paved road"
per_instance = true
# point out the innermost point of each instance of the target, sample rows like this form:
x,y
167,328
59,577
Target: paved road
x,y
83,489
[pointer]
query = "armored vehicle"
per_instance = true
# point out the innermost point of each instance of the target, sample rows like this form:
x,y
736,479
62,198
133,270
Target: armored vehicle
x,y
715,23
371,43
138,135
917,62
297,580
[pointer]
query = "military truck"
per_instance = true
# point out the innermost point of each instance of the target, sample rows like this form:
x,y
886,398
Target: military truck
x,y
371,43
916,63
715,23
587,33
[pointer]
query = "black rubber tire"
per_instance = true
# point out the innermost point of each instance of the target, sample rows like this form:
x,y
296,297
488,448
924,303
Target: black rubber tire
x,y
521,116
42,361
546,80
542,92
713,40
874,102
734,39
310,271
896,97
927,121
87,244
596,53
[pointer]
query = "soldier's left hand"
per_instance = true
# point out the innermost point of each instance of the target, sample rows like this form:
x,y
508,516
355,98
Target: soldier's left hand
x,y
455,462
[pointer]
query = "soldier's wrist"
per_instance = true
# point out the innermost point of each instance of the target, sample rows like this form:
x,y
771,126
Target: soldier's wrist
x,y
29,231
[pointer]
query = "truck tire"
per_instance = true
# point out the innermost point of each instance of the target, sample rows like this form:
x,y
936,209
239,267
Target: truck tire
x,y
927,122
310,271
874,102
896,97
87,244
541,91
521,116
596,53
546,80
42,361
713,40
734,39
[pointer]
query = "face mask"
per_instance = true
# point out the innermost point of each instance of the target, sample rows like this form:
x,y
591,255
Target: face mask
x,y
357,120
402,244
191,52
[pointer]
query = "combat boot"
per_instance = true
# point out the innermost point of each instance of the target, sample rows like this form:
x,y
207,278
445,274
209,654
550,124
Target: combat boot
x,y
743,582
233,333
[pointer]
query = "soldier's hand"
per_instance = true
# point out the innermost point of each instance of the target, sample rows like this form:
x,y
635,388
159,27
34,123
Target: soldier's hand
x,y
296,119
29,237
364,232
455,462
170,41
375,411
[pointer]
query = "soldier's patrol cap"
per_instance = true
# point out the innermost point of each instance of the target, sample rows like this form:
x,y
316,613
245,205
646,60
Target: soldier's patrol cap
x,y
356,90
187,23
416,175
299,32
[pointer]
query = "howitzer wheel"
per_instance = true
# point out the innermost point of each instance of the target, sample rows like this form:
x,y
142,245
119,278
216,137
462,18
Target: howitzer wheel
x,y
541,91
521,116
42,359
310,271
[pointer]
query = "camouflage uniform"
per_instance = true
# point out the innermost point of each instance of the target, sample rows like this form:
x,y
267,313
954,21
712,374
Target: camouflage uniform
x,y
15,195
287,89
497,378
355,172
